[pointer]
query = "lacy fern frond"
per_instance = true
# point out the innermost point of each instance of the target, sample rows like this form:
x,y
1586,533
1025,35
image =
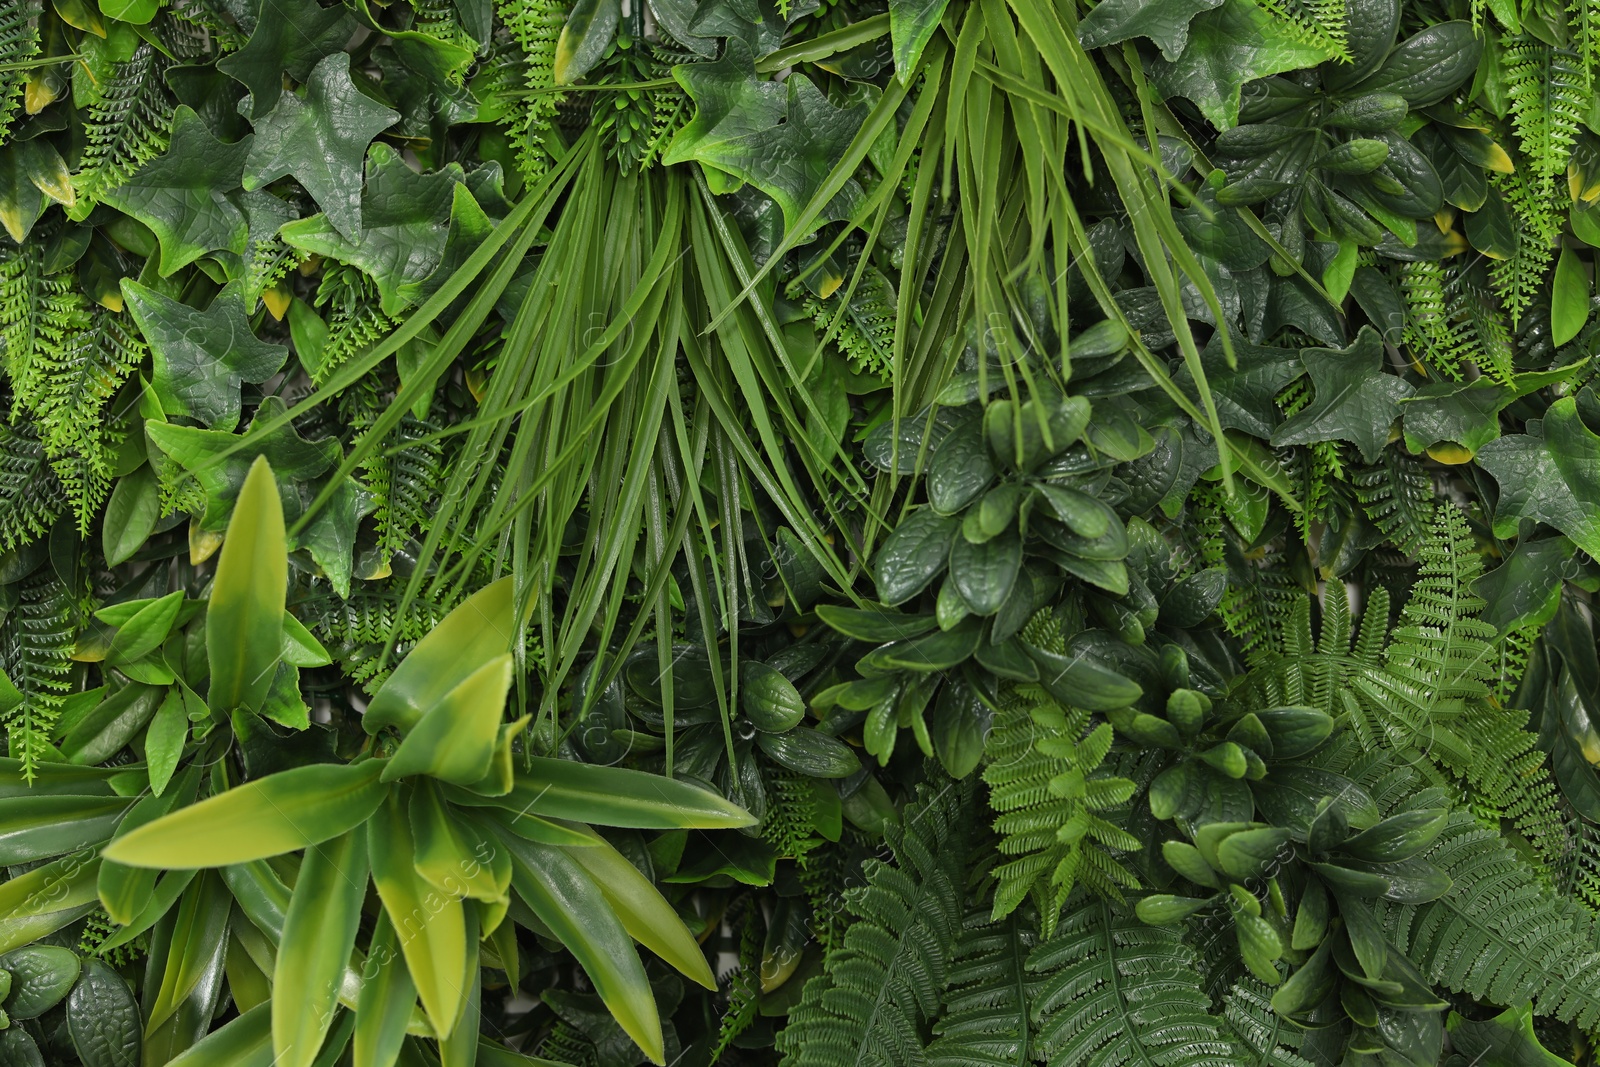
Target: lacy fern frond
x,y
36,643
1397,494
790,823
1319,23
126,128
534,26
984,1022
1047,789
1518,279
1116,992
1260,593
1432,693
19,42
743,986
865,334
882,986
1452,324
356,320
1248,1011
31,497
356,630
1500,934
1546,88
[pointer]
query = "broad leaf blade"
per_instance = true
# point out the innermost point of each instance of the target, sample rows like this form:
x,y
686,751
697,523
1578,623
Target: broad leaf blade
x,y
244,618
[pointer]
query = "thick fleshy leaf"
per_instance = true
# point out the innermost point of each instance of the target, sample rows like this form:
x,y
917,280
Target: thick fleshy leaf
x,y
321,140
201,357
567,899
472,636
318,934
41,975
281,813
103,1018
185,195
912,556
244,616
431,926
455,740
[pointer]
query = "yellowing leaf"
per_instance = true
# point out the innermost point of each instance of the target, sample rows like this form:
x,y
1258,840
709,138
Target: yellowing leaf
x,y
455,740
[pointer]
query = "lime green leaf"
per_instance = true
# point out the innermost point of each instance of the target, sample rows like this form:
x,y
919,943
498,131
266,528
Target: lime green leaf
x,y
401,240
386,1000
131,515
185,195
1569,298
318,934
614,796
137,12
644,912
431,926
589,31
1354,398
455,739
246,1041
288,38
21,201
111,724
268,817
164,740
1236,43
244,617
783,138
1166,22
471,637
567,900
321,140
146,629
201,357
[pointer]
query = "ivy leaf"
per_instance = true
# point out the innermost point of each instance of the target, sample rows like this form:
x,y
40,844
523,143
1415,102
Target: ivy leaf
x,y
783,138
1467,413
321,141
1525,590
184,194
911,26
1355,399
404,219
1246,394
1554,479
330,537
201,357
1166,22
1231,45
293,41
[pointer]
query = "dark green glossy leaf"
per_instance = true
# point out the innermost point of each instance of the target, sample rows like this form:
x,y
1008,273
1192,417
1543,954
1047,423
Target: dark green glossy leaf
x,y
288,38
913,555
103,1018
1354,398
807,751
1231,45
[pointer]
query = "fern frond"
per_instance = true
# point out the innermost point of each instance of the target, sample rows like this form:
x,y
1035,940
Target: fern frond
x,y
36,643
1500,934
1397,494
1319,23
19,42
1272,1040
879,990
866,333
1518,280
984,1022
1545,85
126,128
535,27
1116,992
356,320
31,497
356,630
1047,790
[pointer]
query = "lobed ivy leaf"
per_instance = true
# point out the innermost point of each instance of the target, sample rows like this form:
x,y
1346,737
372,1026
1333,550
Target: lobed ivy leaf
x,y
321,140
185,195
402,239
1355,399
1553,479
200,358
783,138
1233,44
1246,393
292,41
329,537
1166,22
